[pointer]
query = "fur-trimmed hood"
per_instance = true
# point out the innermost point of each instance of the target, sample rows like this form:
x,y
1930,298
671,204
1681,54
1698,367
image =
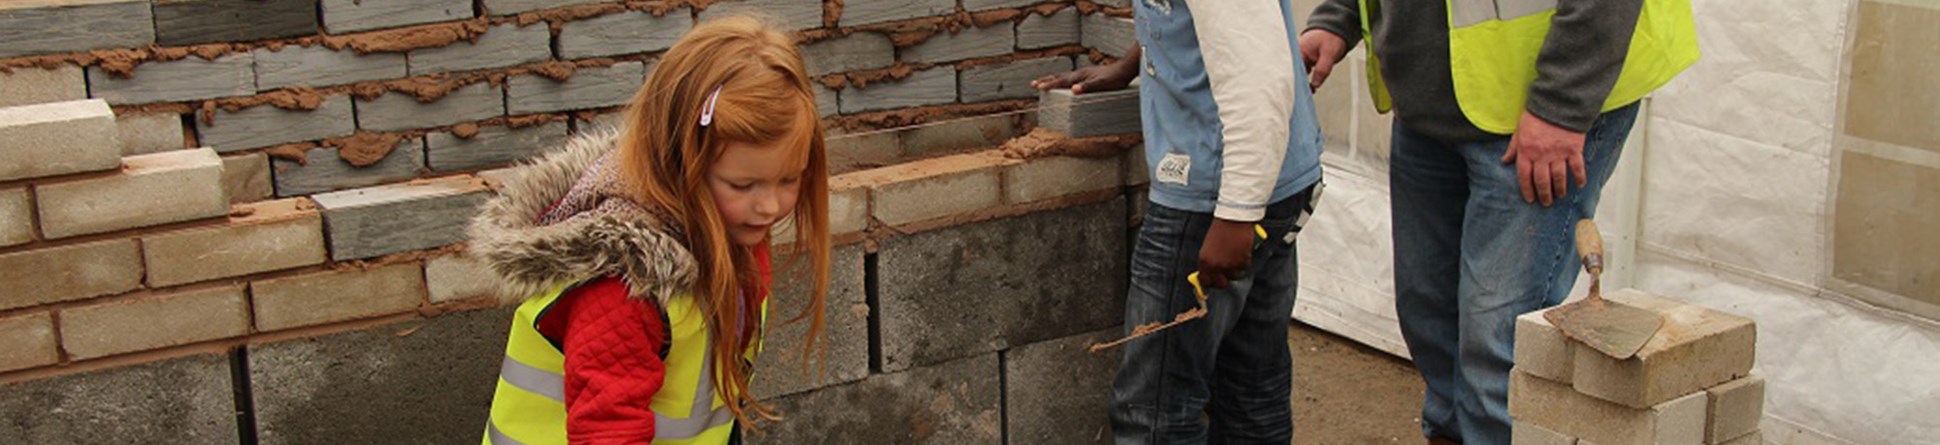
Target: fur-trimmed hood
x,y
533,246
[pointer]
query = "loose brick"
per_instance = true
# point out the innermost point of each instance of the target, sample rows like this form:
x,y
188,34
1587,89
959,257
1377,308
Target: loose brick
x,y
57,139
376,221
66,273
845,336
273,235
936,188
1735,409
459,277
30,341
1542,350
1113,36
28,86
493,146
176,81
1697,348
16,217
505,7
398,111
858,51
969,43
1554,406
792,14
863,12
1007,81
628,32
266,125
326,171
246,177
326,297
1525,433
154,322
1046,178
934,86
501,46
1045,31
28,28
191,22
150,190
178,401
980,132
144,133
1057,392
588,88
958,402
318,66
1094,114
343,16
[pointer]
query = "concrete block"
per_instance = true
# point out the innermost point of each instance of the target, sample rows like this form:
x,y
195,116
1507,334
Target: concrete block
x,y
383,220
1044,31
424,381
1113,36
30,341
863,12
787,15
154,322
1735,409
273,235
1056,392
144,133
957,402
150,190
628,32
1555,407
326,171
493,146
937,188
1542,350
503,45
460,277
965,134
57,139
588,88
1525,433
17,217
246,177
969,43
28,85
325,297
779,370
266,125
1697,348
1010,80
182,400
980,5
1094,114
505,7
344,16
178,80
191,22
398,111
934,86
858,51
1046,178
1137,171
71,272
318,66
29,28
869,149
981,287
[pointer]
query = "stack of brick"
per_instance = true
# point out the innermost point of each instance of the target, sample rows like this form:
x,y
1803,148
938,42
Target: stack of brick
x,y
1691,384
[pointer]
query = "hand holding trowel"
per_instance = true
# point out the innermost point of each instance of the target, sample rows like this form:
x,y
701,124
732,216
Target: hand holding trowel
x,y
1198,291
1612,328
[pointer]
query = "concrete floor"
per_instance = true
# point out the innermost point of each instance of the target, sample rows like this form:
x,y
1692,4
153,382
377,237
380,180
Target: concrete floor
x,y
1345,393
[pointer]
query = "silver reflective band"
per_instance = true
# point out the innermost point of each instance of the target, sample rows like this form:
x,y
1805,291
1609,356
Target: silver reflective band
x,y
1469,12
498,438
700,418
533,380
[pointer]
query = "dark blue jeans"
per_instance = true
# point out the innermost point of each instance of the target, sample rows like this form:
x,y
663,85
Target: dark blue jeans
x,y
1231,367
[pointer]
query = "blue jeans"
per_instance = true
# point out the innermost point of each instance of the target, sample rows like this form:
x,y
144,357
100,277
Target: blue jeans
x,y
1470,256
1231,367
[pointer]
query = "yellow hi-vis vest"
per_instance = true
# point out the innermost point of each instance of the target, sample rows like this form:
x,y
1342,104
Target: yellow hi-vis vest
x,y
529,406
1493,44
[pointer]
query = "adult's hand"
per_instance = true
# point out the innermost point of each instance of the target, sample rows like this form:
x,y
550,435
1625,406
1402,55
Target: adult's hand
x,y
1546,157
1227,252
1321,50
1094,78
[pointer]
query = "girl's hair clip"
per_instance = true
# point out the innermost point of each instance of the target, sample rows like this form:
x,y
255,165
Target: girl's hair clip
x,y
707,115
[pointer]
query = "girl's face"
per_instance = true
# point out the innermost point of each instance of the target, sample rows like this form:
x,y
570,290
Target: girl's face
x,y
754,187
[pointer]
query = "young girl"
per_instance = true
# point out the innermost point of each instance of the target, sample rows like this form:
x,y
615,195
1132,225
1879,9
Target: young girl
x,y
645,252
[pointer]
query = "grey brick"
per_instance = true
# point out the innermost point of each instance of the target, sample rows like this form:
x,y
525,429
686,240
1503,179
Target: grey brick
x,y
1058,392
981,132
503,45
425,381
859,51
826,101
493,146
863,12
28,86
342,16
588,88
1110,35
57,139
970,43
149,190
1115,3
326,171
623,33
183,400
190,22
980,5
266,125
319,66
789,14
28,28
1094,114
845,338
176,81
1042,31
934,86
376,221
16,217
1010,80
145,133
951,403
505,7
398,111
246,177
980,288
599,122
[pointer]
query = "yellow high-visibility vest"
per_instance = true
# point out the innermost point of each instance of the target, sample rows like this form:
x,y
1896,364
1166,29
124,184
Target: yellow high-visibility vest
x,y
1493,44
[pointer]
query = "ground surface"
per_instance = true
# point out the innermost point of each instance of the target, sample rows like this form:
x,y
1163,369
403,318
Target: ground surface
x,y
1345,393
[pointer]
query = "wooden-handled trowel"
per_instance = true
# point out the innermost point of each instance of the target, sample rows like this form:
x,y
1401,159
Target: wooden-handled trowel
x,y
1615,329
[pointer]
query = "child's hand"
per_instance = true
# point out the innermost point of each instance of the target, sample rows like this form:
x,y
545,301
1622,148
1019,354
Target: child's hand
x,y
1095,78
1227,252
